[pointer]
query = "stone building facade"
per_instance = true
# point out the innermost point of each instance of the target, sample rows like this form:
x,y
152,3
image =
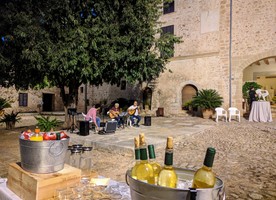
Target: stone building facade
x,y
202,60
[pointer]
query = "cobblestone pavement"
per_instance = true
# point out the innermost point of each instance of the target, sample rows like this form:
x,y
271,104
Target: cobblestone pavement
x,y
245,159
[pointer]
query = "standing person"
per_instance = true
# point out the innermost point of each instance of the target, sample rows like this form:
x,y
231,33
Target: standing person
x,y
252,96
92,114
114,113
134,112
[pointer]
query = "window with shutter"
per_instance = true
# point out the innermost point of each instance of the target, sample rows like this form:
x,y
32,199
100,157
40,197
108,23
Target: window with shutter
x,y
23,99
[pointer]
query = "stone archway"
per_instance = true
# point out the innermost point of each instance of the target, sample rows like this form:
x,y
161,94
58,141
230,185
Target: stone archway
x,y
188,92
240,70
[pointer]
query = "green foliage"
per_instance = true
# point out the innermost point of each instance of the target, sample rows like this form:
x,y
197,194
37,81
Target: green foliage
x,y
207,99
274,99
4,104
12,117
74,42
246,87
46,124
187,104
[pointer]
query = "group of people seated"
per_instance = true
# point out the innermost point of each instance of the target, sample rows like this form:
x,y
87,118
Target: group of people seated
x,y
114,113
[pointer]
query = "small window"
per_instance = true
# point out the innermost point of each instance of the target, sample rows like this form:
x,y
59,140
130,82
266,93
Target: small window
x,y
168,30
81,89
168,7
23,99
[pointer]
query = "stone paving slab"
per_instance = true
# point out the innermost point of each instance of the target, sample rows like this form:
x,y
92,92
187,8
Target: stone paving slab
x,y
161,127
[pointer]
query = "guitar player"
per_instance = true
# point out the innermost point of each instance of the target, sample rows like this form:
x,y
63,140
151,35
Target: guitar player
x,y
114,114
134,112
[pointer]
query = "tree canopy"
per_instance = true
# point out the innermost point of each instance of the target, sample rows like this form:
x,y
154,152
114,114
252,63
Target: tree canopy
x,y
70,42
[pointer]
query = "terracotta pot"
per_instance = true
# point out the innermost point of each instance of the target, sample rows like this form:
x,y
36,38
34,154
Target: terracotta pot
x,y
207,113
10,125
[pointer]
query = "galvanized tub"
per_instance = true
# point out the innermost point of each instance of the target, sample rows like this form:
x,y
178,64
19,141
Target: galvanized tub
x,y
43,157
144,191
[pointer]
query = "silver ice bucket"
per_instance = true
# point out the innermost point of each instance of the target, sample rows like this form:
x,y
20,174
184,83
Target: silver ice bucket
x,y
144,191
43,157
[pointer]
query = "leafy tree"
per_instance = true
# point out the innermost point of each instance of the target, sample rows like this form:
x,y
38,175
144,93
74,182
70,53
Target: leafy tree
x,y
71,42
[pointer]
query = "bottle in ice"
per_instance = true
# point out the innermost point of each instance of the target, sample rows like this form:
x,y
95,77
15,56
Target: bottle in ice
x,y
167,176
137,158
155,165
204,177
36,136
144,170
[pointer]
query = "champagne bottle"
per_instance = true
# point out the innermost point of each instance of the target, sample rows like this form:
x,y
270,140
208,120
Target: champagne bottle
x,y
204,177
167,176
155,165
144,170
137,158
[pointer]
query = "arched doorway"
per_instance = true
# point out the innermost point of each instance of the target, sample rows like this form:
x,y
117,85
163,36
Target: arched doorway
x,y
188,92
147,96
263,73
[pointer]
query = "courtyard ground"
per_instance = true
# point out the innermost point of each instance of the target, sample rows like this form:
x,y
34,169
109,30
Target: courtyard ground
x,y
245,159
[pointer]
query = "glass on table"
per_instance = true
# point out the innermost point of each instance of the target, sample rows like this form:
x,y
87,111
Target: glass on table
x,y
75,158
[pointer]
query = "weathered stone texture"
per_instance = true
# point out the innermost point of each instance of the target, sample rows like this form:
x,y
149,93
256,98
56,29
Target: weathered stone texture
x,y
253,38
34,99
202,59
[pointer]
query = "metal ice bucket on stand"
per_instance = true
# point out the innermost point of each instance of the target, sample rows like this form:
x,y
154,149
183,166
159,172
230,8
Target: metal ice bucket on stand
x,y
43,157
144,191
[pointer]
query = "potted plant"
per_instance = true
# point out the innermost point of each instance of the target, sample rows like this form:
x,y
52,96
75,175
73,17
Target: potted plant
x,y
188,105
273,100
3,104
46,124
207,100
10,119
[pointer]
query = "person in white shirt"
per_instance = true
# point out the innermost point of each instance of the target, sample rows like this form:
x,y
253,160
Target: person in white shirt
x,y
134,112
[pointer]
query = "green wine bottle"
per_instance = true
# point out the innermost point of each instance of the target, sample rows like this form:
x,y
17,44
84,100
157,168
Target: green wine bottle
x,y
144,170
155,165
167,176
137,158
204,177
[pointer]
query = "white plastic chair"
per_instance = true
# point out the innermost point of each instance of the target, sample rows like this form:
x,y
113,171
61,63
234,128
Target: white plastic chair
x,y
234,112
262,94
220,112
129,123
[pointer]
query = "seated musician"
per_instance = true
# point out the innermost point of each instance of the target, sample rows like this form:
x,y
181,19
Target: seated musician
x,y
92,114
134,112
114,113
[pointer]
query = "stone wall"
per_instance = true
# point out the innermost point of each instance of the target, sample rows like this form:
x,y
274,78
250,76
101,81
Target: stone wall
x,y
202,59
34,99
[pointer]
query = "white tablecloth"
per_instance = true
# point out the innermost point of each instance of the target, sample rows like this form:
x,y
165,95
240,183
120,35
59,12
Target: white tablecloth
x,y
260,112
6,193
